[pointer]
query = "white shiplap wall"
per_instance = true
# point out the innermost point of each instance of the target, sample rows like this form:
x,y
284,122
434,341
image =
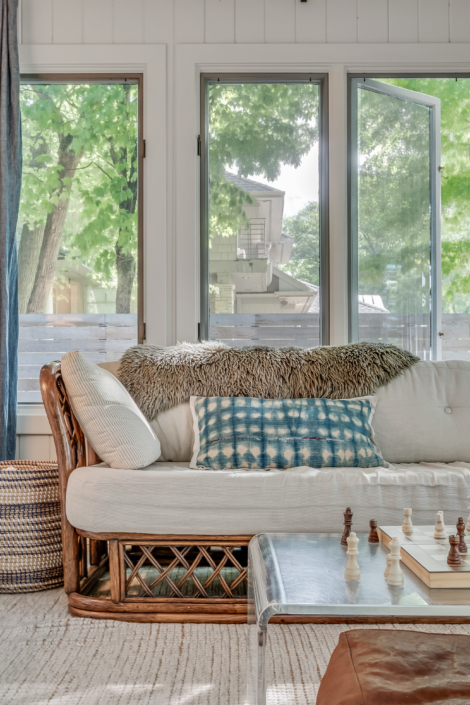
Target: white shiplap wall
x,y
251,22
243,21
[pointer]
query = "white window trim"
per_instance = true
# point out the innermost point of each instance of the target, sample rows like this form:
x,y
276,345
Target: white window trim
x,y
150,60
171,117
335,59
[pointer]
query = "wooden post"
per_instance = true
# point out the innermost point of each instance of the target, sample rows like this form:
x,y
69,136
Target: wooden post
x,y
115,570
70,447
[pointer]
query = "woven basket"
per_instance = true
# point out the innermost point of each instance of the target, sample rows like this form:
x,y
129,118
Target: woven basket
x,y
30,535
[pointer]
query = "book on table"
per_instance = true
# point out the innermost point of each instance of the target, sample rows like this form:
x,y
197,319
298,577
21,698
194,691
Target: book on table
x,y
427,556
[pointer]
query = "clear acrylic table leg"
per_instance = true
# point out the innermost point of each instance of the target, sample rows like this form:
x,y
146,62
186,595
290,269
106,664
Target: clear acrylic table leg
x,y
257,642
262,638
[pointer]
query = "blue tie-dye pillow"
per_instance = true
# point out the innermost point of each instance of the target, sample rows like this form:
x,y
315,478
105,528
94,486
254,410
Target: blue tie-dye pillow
x,y
241,432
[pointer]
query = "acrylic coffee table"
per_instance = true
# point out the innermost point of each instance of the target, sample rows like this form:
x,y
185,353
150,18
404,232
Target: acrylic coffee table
x,y
303,575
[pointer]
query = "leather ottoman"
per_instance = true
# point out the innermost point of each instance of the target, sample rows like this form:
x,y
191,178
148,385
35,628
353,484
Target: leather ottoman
x,y
397,667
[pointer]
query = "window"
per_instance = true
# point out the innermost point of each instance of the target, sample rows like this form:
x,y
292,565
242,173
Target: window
x,y
410,213
264,211
80,228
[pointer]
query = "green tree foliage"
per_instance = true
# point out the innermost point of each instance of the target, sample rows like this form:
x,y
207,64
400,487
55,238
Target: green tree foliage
x,y
393,201
254,128
80,153
455,180
304,227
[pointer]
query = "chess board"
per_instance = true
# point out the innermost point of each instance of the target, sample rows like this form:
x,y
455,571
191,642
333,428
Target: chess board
x,y
427,556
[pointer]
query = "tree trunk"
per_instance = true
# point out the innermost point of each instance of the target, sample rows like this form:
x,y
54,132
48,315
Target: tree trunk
x,y
68,161
125,262
28,258
125,266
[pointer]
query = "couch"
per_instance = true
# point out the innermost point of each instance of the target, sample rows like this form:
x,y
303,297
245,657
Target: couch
x,y
168,543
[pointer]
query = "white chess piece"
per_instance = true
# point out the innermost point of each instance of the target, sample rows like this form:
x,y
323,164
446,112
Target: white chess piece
x,y
468,520
352,571
395,574
440,529
407,526
387,568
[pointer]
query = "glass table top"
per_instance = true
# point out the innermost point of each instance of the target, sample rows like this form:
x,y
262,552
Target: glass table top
x,y
304,574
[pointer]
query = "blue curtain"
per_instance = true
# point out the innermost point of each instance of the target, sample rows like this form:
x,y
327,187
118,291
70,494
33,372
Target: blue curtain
x,y
10,187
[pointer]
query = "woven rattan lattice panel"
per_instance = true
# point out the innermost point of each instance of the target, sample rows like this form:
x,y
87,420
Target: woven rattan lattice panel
x,y
196,571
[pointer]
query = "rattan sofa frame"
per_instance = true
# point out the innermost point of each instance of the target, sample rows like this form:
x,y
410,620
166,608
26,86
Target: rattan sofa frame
x,y
87,555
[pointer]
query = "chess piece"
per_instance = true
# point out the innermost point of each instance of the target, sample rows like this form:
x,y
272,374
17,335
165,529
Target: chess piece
x,y
348,515
395,574
461,533
468,520
352,571
407,526
373,535
387,567
440,529
454,554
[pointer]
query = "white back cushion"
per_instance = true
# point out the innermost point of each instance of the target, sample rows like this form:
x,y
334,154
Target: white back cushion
x,y
424,415
174,430
111,420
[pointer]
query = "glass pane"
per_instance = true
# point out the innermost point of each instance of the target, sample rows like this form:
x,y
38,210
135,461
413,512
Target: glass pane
x,y
264,219
454,97
394,222
77,228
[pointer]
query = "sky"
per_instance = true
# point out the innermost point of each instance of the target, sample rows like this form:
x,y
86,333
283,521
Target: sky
x,y
300,185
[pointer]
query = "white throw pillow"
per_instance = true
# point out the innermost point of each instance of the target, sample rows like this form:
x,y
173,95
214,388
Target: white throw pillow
x,y
111,420
173,428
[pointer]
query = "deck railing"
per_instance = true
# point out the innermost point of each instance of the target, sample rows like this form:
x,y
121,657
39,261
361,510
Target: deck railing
x,y
240,329
102,337
411,332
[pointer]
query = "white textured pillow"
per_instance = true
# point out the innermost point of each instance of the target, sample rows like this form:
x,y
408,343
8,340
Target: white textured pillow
x,y
111,420
173,428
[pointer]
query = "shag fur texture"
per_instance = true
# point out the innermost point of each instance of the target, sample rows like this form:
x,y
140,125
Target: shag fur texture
x,y
161,378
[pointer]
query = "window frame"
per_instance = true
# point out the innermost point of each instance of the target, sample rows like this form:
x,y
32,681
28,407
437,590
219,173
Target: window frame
x,y
352,262
118,78
203,151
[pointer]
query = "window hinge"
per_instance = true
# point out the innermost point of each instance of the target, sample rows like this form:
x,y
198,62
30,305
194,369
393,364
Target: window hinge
x,y
199,332
143,149
144,332
199,145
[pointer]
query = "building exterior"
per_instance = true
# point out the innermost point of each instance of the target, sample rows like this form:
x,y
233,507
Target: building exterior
x,y
244,268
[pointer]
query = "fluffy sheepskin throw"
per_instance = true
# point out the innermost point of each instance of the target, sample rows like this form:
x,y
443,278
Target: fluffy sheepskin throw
x,y
161,378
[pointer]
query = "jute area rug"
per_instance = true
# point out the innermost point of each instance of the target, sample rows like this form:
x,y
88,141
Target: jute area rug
x,y
46,656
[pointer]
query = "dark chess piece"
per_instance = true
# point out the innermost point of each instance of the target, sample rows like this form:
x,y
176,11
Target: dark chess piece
x,y
348,515
454,554
461,532
373,535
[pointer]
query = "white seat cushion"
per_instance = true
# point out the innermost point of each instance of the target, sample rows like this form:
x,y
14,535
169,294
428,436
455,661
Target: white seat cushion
x,y
170,498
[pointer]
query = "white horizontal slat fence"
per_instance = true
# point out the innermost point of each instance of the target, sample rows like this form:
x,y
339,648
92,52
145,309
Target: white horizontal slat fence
x,y
278,330
411,332
46,337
